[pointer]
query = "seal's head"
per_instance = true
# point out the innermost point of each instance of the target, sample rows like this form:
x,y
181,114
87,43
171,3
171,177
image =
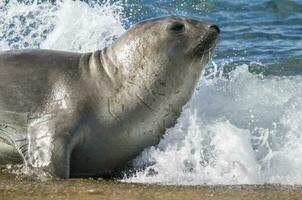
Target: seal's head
x,y
165,54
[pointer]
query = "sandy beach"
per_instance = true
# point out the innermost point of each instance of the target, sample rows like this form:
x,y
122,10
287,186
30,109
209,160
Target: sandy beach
x,y
12,188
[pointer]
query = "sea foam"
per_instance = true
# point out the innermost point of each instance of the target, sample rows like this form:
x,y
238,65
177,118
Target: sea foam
x,y
244,129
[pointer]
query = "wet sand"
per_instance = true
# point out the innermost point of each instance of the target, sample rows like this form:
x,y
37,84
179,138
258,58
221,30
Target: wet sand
x,y
80,189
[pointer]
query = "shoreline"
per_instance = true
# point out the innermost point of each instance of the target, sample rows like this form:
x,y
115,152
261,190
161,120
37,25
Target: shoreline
x,y
14,188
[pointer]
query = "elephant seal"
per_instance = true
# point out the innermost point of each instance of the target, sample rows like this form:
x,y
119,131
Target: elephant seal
x,y
80,115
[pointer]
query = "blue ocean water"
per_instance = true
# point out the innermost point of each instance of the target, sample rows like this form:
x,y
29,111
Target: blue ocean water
x,y
244,123
269,32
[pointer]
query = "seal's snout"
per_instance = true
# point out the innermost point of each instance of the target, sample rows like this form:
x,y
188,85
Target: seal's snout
x,y
215,28
207,40
212,33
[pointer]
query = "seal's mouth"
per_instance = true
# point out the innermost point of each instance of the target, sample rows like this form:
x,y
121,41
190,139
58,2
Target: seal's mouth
x,y
207,42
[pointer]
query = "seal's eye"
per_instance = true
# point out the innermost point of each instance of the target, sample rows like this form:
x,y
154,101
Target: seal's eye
x,y
176,27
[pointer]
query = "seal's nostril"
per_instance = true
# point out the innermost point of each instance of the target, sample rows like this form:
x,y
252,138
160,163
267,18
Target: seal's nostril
x,y
215,27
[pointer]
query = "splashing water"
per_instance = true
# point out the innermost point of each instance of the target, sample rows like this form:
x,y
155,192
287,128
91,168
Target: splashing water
x,y
238,128
67,25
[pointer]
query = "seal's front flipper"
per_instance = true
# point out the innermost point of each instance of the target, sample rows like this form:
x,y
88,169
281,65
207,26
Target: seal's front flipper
x,y
46,148
37,147
49,154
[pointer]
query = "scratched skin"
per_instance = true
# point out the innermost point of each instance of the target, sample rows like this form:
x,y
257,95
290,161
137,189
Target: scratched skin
x,y
79,115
